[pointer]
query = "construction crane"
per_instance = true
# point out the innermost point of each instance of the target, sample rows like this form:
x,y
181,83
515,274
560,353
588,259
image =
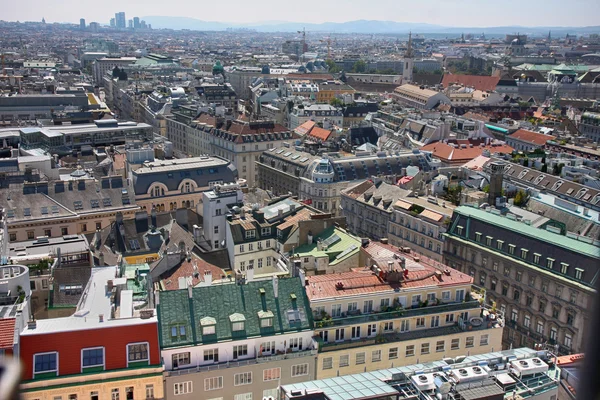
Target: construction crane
x,y
328,41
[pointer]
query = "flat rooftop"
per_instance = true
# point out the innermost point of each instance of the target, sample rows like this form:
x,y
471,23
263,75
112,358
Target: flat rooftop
x,y
179,164
46,247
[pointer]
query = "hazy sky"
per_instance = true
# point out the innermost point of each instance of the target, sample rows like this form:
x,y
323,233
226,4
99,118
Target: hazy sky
x,y
441,12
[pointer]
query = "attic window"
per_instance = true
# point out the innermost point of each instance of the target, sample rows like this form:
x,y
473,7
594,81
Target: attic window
x,y
251,234
266,319
237,322
208,325
178,331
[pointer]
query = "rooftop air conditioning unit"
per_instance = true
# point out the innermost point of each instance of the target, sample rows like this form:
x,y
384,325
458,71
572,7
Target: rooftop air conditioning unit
x,y
424,381
528,366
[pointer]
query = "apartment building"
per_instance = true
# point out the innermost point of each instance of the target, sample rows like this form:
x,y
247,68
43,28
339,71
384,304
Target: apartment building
x,y
216,203
542,281
239,141
419,97
106,64
524,140
177,183
330,89
368,207
589,125
420,223
96,353
236,341
399,310
326,115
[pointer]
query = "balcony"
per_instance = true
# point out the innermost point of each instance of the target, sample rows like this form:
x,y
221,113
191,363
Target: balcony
x,y
402,313
242,363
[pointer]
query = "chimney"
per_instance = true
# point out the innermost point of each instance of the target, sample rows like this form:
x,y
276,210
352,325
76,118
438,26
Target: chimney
x,y
190,291
292,208
31,324
403,263
101,318
275,286
279,213
208,277
242,213
309,237
319,245
157,297
153,216
390,266
250,274
119,217
97,239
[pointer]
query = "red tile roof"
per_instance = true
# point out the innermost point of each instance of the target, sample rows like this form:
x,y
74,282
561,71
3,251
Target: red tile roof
x,y
304,128
476,81
186,269
7,333
447,153
532,137
319,133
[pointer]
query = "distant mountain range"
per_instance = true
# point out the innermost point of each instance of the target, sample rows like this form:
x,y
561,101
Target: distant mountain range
x,y
358,26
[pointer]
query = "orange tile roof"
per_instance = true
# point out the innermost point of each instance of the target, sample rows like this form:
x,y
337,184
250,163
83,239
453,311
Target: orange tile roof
x,y
186,269
7,333
304,128
302,215
448,153
431,215
319,133
478,82
532,137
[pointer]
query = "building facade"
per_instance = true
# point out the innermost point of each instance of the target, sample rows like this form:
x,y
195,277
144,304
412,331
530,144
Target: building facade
x,y
541,280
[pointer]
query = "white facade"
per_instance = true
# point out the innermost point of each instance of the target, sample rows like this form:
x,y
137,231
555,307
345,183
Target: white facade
x,y
215,207
103,65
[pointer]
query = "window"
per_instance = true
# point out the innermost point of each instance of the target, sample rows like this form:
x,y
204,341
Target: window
x,y
181,388
540,328
295,344
478,236
425,348
568,340
45,363
114,394
416,299
250,247
64,231
384,303
149,392
344,360
545,287
208,330
460,295
573,297
31,234
440,346
536,258
328,363
360,358
240,351
516,295
339,334
455,344
514,316
388,326
511,249
251,234
542,306
527,321
449,318
299,370
488,240
180,359
241,248
550,263
268,259
336,310
524,253
353,306
92,358
430,298
420,322
178,331
368,306
469,342
213,383
484,340
564,268
243,396
570,318
446,295
237,326
211,355
519,276
376,356
579,274
435,321
355,332
532,280
504,289
271,374
244,378
506,271
499,244
13,237
410,350
405,325
260,263
137,352
393,353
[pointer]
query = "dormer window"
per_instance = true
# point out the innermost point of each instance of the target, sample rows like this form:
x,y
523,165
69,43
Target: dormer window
x,y
208,325
266,319
251,234
238,322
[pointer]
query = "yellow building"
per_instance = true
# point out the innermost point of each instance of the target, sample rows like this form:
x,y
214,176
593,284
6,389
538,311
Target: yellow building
x,y
328,90
399,311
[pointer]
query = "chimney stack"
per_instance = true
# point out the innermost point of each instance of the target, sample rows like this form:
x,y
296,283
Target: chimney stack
x,y
208,277
250,274
275,286
190,291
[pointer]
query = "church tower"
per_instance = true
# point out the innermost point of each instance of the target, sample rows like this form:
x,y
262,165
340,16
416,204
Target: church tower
x,y
407,72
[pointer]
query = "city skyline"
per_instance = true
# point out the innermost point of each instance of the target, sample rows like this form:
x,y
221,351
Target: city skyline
x,y
459,13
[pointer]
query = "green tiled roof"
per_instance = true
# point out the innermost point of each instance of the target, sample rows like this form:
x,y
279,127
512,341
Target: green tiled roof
x,y
553,238
333,251
227,303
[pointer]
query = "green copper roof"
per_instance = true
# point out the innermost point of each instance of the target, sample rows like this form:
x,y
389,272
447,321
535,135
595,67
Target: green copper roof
x,y
182,320
342,247
523,229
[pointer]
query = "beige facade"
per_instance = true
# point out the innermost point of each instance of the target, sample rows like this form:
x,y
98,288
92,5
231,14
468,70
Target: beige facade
x,y
144,383
255,378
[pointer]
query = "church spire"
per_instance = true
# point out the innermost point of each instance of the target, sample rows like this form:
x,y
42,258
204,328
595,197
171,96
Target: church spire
x,y
409,52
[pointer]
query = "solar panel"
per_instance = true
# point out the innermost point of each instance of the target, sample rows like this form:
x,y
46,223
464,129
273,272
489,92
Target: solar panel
x,y
287,154
295,156
44,210
304,159
107,202
27,212
346,252
280,151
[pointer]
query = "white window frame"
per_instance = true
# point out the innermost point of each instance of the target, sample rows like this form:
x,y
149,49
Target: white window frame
x,y
243,396
178,357
241,382
328,363
209,383
181,388
46,372
484,340
299,370
94,366
137,343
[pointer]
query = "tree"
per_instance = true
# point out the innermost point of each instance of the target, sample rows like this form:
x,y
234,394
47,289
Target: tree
x,y
544,168
526,162
336,102
115,72
333,68
520,198
359,67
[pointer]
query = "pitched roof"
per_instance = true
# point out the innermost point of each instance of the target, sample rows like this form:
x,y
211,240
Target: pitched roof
x,y
225,302
532,137
187,269
304,128
476,81
320,133
341,248
7,333
454,151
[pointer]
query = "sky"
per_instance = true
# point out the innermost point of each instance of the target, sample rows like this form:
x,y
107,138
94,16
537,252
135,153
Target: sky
x,y
471,13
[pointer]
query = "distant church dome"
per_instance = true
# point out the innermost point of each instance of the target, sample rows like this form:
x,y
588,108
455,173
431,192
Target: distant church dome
x,y
218,68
